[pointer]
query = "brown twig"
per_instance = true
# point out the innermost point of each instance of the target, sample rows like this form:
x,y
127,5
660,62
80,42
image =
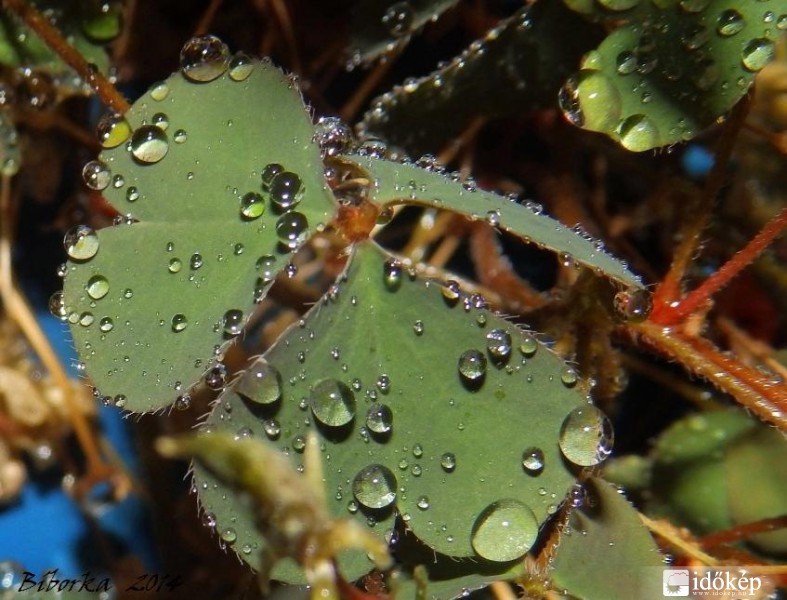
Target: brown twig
x,y
372,80
207,17
58,44
742,532
19,311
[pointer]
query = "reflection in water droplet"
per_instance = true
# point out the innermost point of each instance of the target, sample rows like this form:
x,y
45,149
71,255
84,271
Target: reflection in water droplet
x,y
472,365
266,265
57,305
149,144
332,135
379,418
261,383
241,67
568,376
638,133
106,324
758,53
232,322
730,22
204,58
97,287
113,130
292,228
179,323
216,377
375,487
268,173
504,531
591,100
499,345
332,403
448,462
423,503
132,194
81,243
272,428
626,63
533,460
285,190
252,205
174,265
586,436
392,274
633,305
159,91
529,345
399,19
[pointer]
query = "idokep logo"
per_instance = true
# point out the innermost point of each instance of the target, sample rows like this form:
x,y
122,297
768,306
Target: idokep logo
x,y
675,583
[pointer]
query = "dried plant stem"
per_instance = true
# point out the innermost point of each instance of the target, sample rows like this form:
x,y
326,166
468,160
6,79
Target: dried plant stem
x,y
670,534
353,105
58,44
279,8
669,289
694,300
19,311
207,17
765,397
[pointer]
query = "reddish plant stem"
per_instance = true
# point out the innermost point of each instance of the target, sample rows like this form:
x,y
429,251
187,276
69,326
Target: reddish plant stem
x,y
696,298
58,44
742,532
766,398
669,288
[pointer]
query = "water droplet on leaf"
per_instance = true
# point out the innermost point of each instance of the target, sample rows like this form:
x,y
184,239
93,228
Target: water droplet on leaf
x,y
586,436
204,58
504,531
375,487
332,403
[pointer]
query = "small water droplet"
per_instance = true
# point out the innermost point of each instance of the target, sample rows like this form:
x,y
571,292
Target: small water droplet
x,y
120,401
448,462
730,22
252,205
261,383
472,366
149,144
113,130
229,535
504,531
586,436
451,291
568,376
106,324
533,460
638,133
292,228
204,58
132,194
268,173
240,67
633,305
81,243
418,327
232,322
97,287
174,265
332,403
392,274
179,323
399,19
183,402
375,487
379,418
57,305
159,91
216,377
499,345
272,428
423,503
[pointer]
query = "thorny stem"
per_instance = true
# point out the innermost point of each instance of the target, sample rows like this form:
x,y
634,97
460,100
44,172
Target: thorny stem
x,y
52,38
765,397
696,298
18,310
669,288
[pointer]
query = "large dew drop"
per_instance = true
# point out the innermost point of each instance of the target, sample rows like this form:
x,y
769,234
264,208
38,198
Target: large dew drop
x,y
498,343
758,53
332,403
81,243
379,418
375,487
241,67
586,436
504,531
590,100
729,23
232,322
261,383
149,144
204,58
252,205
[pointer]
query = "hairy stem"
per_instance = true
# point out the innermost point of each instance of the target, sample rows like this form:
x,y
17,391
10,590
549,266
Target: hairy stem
x,y
58,44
